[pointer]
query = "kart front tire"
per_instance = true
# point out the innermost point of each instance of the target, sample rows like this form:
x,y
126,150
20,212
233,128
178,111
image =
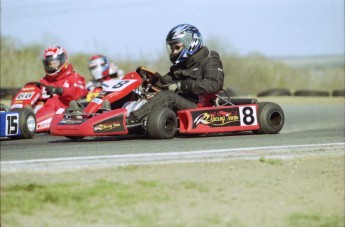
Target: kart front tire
x,y
27,123
161,124
270,118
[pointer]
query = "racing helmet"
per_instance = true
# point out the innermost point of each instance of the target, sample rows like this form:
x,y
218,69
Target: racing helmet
x,y
99,67
55,60
183,41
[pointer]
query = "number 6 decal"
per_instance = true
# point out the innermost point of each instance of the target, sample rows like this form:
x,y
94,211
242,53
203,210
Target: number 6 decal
x,y
248,115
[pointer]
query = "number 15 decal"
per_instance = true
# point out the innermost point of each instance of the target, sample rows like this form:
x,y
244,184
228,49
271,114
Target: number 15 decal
x,y
12,124
248,115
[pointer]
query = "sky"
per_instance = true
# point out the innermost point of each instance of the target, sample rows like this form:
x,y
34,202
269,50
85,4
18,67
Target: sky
x,y
137,28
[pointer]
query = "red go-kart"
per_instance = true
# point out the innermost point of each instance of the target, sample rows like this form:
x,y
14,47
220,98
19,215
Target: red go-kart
x,y
106,114
33,96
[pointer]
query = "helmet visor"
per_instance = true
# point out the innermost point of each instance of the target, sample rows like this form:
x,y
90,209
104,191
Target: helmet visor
x,y
52,65
174,48
97,68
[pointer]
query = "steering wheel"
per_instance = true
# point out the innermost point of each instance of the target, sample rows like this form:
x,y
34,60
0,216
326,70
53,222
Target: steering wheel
x,y
148,75
37,84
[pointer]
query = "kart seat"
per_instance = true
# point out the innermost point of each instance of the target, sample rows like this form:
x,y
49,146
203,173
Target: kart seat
x,y
206,100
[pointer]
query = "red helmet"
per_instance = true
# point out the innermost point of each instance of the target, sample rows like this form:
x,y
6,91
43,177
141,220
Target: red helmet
x,y
54,60
99,67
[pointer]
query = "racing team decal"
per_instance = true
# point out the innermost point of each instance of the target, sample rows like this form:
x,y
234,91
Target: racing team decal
x,y
238,116
109,125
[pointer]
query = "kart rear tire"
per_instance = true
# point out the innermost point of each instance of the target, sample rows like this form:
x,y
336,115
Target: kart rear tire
x,y
27,123
270,118
161,124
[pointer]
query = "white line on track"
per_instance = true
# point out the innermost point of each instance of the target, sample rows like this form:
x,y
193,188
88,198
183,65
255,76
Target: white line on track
x,y
283,151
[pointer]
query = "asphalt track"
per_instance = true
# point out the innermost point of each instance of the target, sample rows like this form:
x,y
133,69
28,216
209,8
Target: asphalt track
x,y
313,129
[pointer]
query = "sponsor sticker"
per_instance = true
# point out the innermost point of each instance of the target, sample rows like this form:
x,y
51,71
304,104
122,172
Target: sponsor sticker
x,y
113,124
235,116
217,118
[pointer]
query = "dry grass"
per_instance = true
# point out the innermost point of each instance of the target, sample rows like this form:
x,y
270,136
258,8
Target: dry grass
x,y
298,192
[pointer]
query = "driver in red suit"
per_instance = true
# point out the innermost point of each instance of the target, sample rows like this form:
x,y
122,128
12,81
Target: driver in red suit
x,y
62,84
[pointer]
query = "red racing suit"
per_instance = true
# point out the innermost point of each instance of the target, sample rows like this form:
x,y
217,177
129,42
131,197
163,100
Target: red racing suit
x,y
73,85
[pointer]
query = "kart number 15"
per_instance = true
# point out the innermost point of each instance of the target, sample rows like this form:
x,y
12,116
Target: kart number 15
x,y
12,124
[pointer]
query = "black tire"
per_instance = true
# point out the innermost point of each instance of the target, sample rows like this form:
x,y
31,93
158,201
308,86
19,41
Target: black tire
x,y
311,93
337,93
161,123
275,92
75,137
270,118
27,123
3,107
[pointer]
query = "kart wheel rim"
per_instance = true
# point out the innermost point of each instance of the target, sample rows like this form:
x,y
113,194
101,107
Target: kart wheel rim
x,y
169,125
31,123
275,119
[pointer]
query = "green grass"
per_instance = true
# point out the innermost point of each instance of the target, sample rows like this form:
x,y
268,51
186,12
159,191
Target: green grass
x,y
314,220
270,161
230,193
83,199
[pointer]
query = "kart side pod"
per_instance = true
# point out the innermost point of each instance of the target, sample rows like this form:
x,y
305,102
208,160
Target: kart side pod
x,y
109,123
261,118
218,119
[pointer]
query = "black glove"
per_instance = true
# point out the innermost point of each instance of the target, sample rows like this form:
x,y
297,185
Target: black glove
x,y
51,90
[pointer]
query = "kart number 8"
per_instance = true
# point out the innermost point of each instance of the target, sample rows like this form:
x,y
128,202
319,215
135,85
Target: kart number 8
x,y
248,115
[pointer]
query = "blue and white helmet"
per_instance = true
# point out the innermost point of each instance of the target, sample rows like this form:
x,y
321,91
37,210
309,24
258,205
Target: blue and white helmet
x,y
183,41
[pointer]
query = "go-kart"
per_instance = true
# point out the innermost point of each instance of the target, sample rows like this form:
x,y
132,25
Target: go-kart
x,y
18,123
106,114
33,96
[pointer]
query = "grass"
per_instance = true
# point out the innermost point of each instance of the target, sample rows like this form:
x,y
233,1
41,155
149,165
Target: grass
x,y
231,193
27,198
263,159
314,220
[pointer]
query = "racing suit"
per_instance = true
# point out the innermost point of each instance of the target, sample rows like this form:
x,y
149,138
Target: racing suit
x,y
73,85
201,74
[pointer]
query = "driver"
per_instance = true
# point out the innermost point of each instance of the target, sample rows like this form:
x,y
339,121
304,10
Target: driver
x,y
63,84
103,73
196,72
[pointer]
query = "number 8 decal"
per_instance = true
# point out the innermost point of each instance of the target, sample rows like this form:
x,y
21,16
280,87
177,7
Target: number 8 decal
x,y
248,115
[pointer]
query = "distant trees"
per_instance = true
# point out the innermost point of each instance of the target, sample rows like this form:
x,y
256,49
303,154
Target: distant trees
x,y
252,73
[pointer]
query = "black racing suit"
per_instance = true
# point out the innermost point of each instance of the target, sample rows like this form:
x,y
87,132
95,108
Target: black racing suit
x,y
201,74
